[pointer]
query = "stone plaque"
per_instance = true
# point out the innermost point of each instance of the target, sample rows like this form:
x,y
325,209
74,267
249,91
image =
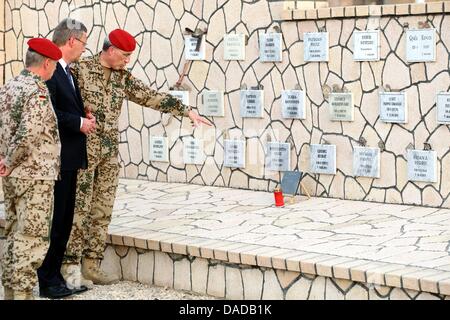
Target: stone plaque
x,y
293,104
190,44
291,182
193,151
159,149
323,158
315,46
234,153
278,156
393,107
443,107
366,162
366,45
270,47
252,103
421,45
213,103
182,95
422,165
341,107
234,46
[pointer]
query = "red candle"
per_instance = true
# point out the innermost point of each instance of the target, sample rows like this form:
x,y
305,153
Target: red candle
x,y
279,199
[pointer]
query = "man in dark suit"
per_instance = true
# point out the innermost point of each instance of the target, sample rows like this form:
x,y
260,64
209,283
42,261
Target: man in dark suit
x,y
73,124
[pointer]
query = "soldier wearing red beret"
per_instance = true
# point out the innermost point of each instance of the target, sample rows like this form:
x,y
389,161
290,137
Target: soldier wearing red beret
x,y
105,83
29,164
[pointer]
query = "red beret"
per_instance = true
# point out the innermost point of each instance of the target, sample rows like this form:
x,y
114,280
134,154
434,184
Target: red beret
x,y
45,47
123,40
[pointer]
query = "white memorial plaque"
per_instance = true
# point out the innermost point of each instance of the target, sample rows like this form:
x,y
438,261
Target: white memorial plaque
x,y
443,107
193,151
278,156
213,103
393,107
293,104
421,45
190,44
270,47
315,46
234,153
182,95
159,149
366,162
323,158
234,46
341,107
366,45
422,165
252,103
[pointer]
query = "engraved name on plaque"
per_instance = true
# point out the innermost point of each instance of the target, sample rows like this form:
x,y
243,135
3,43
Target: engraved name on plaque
x,y
421,45
252,103
278,156
293,104
393,107
422,165
366,45
234,46
234,153
193,151
213,103
190,44
315,46
182,95
366,162
159,149
443,107
323,158
341,107
270,47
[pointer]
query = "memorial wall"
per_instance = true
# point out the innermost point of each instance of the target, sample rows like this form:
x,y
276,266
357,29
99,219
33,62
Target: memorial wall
x,y
356,98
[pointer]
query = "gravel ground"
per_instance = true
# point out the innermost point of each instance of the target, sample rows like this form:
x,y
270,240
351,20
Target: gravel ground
x,y
128,290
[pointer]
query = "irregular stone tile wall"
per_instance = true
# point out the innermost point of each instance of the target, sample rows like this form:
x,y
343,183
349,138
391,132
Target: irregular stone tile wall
x,y
159,59
232,281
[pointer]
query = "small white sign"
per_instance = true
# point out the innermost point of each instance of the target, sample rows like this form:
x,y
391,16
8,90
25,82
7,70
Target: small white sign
x,y
234,46
323,158
278,156
422,165
421,45
213,103
315,46
443,107
190,44
393,107
341,106
293,104
159,149
193,151
366,162
181,95
234,153
366,45
270,47
252,103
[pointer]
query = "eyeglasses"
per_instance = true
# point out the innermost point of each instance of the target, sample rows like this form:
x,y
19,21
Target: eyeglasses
x,y
82,42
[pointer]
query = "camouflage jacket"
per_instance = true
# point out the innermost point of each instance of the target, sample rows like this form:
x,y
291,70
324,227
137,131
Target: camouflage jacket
x,y
29,138
105,100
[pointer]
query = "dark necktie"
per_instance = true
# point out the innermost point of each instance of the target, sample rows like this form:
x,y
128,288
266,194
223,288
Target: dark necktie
x,y
69,76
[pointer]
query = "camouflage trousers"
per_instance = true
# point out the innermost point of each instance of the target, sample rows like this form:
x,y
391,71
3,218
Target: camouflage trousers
x,y
95,195
28,215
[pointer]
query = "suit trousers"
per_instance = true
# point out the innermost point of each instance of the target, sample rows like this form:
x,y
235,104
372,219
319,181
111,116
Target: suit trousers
x,y
49,273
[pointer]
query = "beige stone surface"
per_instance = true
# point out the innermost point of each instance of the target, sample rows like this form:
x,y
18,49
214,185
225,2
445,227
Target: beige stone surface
x,y
216,281
182,272
145,267
163,270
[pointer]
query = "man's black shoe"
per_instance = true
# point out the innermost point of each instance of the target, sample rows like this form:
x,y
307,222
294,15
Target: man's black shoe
x,y
80,289
55,292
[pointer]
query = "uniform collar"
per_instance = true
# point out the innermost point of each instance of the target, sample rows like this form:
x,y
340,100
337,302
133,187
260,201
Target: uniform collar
x,y
35,77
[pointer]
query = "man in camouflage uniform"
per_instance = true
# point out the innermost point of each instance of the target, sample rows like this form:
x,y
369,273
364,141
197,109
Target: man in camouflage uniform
x,y
105,83
29,165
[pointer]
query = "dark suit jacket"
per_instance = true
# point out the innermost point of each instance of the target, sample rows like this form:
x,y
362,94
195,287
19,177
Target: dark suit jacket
x,y
69,109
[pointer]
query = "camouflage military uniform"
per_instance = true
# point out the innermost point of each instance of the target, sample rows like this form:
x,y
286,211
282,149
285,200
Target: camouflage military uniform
x,y
96,186
29,141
